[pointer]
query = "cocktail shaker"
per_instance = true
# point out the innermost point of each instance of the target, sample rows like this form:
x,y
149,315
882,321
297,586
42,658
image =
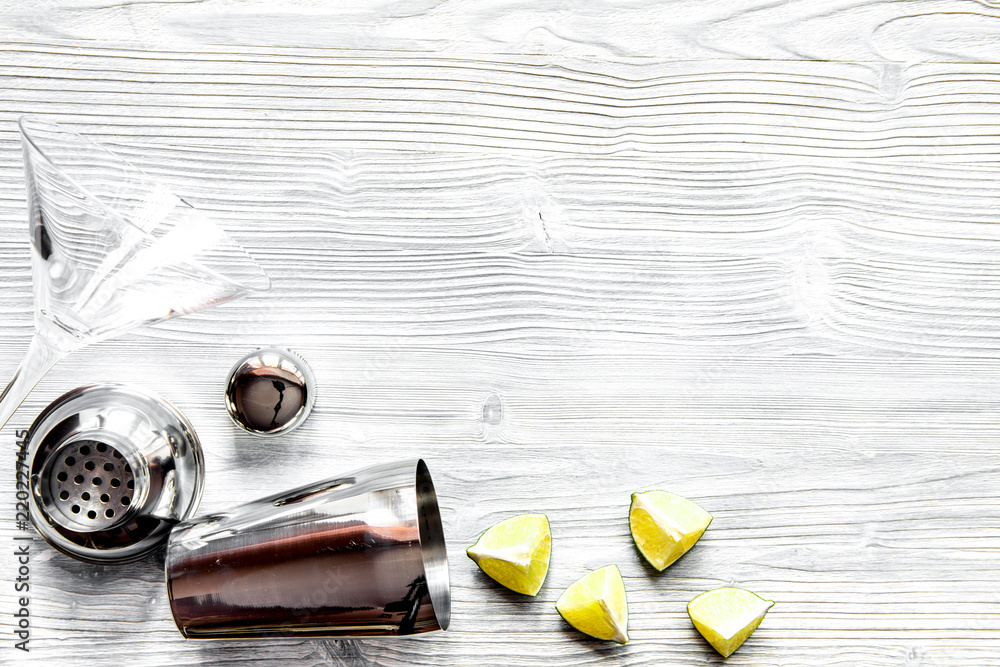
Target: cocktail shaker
x,y
360,555
112,470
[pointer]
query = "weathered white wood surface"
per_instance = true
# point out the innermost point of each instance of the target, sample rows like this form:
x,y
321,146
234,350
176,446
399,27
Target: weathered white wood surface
x,y
748,252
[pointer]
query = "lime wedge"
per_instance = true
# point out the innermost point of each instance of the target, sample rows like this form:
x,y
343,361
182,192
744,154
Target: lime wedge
x,y
515,552
727,616
664,526
596,605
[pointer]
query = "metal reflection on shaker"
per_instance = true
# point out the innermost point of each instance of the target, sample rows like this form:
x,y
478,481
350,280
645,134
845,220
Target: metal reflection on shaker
x,y
362,555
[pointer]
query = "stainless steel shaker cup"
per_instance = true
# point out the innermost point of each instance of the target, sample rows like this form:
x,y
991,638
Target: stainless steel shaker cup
x,y
360,555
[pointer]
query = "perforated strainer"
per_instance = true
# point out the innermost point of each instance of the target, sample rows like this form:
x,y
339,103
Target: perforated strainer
x,y
112,470
90,484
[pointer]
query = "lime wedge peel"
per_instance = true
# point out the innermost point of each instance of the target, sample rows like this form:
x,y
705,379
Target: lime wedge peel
x,y
515,552
726,617
596,605
665,526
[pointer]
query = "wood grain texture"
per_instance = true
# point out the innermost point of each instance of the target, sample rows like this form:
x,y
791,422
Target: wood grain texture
x,y
567,251
862,30
334,99
590,251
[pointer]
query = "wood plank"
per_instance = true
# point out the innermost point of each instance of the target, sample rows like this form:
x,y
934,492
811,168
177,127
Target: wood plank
x,y
862,30
859,551
332,100
780,256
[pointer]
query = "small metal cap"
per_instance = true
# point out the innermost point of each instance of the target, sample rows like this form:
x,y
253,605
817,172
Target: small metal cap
x,y
270,391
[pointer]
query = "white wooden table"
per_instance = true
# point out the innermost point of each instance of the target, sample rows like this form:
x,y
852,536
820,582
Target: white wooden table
x,y
745,251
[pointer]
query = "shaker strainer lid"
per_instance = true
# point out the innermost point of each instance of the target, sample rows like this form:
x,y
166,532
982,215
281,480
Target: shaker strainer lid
x,y
89,486
113,469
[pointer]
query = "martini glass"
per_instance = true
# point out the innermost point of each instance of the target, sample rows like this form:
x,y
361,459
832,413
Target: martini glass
x,y
112,249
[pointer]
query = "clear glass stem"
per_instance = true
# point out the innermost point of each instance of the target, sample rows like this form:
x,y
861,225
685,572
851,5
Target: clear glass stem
x,y
42,354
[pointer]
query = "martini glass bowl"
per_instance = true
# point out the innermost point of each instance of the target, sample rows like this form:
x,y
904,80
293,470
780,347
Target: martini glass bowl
x,y
112,250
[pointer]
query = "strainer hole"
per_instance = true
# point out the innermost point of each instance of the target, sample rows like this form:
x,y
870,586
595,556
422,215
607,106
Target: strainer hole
x,y
84,496
85,450
115,482
62,477
89,465
91,514
75,509
109,513
109,467
97,481
78,479
64,495
101,447
69,461
126,500
105,497
130,485
116,454
128,468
